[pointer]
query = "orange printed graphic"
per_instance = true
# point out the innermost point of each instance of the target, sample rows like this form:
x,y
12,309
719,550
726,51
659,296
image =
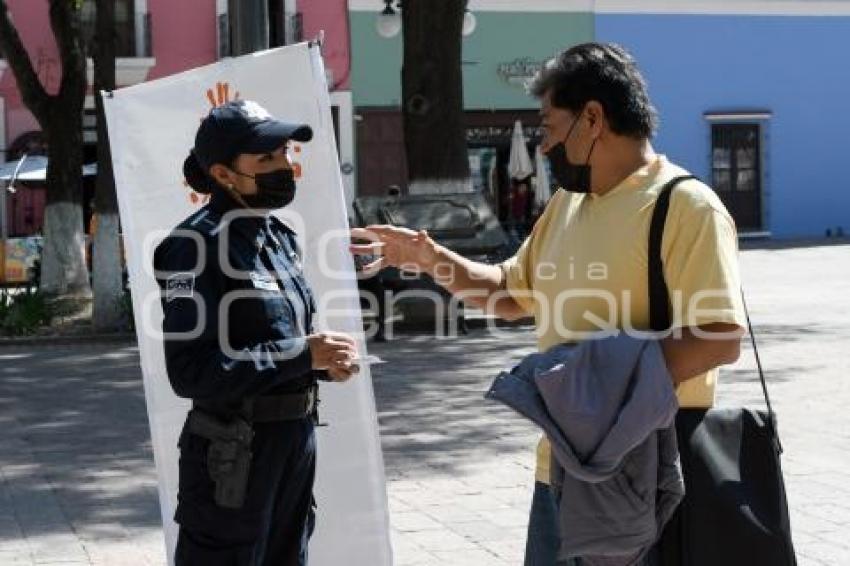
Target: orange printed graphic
x,y
220,94
296,165
198,199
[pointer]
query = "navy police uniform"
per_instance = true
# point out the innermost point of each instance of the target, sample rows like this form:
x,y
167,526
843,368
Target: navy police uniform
x,y
237,311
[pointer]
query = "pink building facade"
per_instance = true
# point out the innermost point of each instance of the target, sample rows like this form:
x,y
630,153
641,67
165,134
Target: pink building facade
x,y
332,17
158,38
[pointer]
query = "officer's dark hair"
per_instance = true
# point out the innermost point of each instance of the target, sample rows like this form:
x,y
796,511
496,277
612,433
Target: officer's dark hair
x,y
197,177
603,72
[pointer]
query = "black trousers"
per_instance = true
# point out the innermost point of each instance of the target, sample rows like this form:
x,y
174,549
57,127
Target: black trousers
x,y
274,525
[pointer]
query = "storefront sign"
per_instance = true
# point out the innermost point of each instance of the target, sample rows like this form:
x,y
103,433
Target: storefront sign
x,y
519,72
499,135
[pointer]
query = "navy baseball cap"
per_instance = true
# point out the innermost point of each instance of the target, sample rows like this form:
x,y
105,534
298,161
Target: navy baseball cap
x,y
241,126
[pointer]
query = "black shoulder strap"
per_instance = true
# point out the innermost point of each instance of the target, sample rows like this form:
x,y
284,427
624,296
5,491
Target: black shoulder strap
x,y
659,294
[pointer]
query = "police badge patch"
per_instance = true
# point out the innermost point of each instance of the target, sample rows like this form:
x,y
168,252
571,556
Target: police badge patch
x,y
263,281
180,285
296,261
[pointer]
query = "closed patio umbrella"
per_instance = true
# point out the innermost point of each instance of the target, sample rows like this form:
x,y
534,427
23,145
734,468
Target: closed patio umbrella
x,y
542,185
519,164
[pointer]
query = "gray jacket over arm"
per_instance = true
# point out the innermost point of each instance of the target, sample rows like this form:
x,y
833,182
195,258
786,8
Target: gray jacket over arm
x,y
608,407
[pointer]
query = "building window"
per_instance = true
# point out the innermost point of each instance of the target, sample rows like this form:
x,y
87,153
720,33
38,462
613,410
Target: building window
x,y
224,36
736,170
125,26
277,23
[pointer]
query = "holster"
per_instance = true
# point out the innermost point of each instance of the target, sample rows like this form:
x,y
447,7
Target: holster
x,y
228,456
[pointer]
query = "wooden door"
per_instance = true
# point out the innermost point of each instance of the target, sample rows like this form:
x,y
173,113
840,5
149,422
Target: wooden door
x,y
381,160
737,172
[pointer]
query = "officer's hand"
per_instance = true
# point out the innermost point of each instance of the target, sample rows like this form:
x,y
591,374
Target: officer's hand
x,y
332,350
398,247
342,374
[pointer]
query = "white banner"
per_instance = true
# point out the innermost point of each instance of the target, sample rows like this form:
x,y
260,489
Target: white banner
x,y
151,129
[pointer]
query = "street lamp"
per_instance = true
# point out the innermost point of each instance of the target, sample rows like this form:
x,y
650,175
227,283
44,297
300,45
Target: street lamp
x,y
388,23
469,22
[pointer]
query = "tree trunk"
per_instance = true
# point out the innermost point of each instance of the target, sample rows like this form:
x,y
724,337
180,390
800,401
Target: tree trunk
x,y
106,262
432,96
63,267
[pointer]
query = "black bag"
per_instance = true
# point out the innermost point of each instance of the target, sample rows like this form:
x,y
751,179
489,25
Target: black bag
x,y
735,511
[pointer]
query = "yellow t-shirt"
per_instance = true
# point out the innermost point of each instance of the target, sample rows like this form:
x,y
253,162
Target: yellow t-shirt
x,y
584,267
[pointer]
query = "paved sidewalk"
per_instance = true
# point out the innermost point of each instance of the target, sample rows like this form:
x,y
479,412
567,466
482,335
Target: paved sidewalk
x,y
460,469
77,484
77,481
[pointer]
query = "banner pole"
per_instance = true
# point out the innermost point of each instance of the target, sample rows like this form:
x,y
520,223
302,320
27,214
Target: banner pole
x,y
3,232
317,41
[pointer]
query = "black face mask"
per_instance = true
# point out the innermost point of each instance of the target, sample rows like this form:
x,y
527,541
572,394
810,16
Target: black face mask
x,y
275,189
571,177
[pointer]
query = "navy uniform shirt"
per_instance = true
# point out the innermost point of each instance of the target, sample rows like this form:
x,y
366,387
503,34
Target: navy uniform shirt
x,y
236,307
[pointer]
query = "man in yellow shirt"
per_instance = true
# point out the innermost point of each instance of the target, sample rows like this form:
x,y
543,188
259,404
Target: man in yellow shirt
x,y
584,267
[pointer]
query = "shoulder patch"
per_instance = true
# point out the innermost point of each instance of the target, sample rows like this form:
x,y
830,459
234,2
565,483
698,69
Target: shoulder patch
x,y
180,285
205,221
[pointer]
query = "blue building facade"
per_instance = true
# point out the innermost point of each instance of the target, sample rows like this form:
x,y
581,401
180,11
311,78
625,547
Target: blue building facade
x,y
754,103
753,95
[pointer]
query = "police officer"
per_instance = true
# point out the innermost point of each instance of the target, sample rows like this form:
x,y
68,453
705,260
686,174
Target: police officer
x,y
239,342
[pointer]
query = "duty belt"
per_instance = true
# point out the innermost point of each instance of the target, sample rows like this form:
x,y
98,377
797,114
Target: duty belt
x,y
274,408
287,407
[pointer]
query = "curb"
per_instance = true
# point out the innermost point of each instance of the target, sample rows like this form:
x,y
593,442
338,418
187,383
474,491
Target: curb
x,y
69,340
780,244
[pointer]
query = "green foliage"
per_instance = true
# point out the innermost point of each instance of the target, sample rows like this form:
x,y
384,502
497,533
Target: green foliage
x,y
5,304
127,310
23,313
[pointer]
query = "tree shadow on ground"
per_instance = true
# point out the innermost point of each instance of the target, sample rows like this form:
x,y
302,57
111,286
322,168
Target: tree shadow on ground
x,y
431,406
768,334
73,421
75,442
430,394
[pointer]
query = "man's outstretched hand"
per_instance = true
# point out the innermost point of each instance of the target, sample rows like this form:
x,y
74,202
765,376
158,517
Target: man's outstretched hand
x,y
396,247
